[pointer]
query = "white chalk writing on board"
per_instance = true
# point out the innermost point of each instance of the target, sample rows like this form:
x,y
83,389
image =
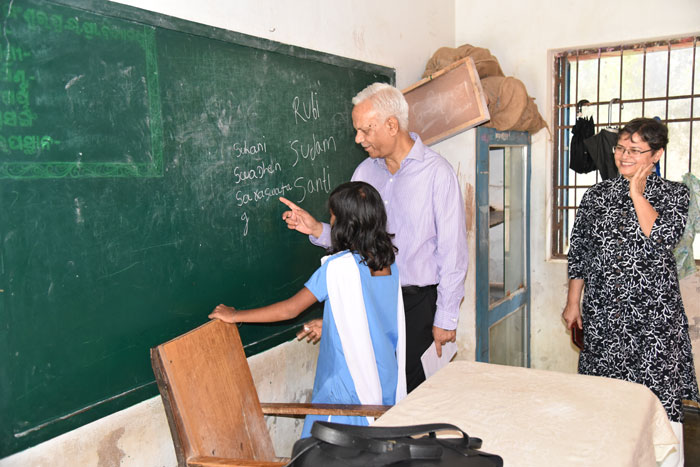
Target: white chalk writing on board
x,y
264,174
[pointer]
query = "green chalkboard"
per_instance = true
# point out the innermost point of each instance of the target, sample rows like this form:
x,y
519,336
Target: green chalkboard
x,y
141,158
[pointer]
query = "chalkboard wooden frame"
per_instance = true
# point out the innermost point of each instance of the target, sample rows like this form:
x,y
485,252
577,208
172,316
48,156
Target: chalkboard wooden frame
x,y
35,408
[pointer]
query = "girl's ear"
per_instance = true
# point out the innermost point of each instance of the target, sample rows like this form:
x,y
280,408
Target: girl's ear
x,y
657,155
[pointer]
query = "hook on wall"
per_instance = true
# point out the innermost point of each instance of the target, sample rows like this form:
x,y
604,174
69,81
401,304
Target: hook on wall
x,y
614,100
579,105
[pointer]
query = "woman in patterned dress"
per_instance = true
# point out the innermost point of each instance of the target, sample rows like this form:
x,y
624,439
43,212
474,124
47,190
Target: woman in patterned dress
x,y
621,258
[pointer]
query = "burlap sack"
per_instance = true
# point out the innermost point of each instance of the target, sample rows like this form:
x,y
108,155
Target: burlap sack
x,y
486,64
531,120
506,97
509,105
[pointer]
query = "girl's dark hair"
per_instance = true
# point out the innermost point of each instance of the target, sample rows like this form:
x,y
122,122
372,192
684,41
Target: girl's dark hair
x,y
652,131
360,224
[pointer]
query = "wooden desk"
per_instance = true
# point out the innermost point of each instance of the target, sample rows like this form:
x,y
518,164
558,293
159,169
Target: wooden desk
x,y
541,418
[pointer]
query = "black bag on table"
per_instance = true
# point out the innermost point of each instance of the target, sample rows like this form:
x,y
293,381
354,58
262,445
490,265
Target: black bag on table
x,y
337,444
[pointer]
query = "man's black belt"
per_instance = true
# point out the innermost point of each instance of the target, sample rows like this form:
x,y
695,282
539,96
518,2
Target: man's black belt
x,y
415,289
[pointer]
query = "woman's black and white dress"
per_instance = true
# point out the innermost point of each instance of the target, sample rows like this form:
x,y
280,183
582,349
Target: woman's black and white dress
x,y
634,324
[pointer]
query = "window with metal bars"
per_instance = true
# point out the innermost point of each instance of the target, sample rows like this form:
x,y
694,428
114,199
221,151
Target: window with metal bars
x,y
613,85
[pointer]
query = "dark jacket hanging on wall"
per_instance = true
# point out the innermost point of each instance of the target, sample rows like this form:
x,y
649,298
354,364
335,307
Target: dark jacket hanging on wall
x,y
600,148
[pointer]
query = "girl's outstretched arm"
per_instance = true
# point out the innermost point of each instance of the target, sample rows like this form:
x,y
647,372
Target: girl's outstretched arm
x,y
280,311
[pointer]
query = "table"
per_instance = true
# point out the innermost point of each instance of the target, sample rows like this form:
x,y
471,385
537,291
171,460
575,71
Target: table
x,y
540,418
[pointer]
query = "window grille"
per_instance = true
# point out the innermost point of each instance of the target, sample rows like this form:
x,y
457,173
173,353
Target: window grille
x,y
614,85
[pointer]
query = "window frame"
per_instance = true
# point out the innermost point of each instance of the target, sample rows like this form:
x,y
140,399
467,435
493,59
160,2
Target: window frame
x,y
564,116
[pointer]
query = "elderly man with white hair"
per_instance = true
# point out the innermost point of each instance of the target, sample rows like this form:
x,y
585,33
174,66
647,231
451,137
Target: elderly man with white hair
x,y
425,212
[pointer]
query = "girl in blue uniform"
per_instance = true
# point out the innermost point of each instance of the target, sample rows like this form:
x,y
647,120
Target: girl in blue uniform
x,y
362,353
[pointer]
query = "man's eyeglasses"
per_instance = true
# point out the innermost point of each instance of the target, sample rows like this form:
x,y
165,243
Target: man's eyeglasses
x,y
634,152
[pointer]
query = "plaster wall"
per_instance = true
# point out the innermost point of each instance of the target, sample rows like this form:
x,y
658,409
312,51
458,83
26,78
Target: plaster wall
x,y
460,151
524,36
398,34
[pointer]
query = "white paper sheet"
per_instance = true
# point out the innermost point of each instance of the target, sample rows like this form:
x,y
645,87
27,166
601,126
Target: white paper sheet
x,y
431,361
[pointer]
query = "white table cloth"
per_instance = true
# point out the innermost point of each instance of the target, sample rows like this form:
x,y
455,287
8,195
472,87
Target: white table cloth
x,y
542,418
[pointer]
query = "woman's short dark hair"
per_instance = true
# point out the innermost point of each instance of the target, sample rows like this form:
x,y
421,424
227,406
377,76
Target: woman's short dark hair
x,y
360,224
652,131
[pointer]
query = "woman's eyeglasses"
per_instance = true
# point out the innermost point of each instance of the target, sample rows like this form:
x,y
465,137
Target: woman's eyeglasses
x,y
632,151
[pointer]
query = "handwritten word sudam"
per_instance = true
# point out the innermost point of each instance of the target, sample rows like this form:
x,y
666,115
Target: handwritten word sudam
x,y
305,113
311,150
257,172
245,150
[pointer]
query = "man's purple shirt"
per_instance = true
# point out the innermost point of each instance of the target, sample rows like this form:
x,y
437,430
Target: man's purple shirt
x,y
426,213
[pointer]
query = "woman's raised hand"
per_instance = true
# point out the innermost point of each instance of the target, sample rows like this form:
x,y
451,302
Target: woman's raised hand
x,y
639,180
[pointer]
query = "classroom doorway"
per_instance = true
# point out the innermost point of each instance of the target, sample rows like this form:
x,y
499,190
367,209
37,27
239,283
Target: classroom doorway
x,y
503,239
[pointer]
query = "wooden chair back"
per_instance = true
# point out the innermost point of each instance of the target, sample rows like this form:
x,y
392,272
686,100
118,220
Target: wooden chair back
x,y
210,400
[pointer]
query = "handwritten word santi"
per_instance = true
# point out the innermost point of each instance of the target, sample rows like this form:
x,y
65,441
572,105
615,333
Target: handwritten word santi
x,y
313,185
